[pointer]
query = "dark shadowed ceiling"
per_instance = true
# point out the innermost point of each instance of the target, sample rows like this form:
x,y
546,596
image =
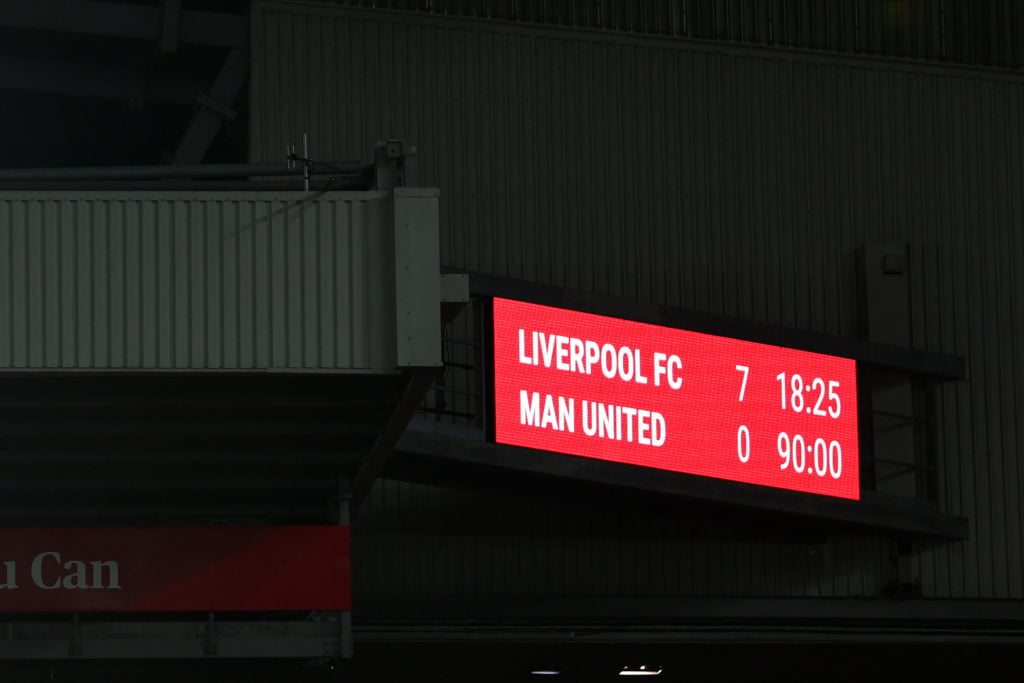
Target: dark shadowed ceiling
x,y
119,82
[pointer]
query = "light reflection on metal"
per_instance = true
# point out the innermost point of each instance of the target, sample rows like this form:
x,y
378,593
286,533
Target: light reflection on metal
x,y
642,670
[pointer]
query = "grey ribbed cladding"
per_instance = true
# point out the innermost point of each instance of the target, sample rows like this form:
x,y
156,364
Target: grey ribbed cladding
x,y
205,281
958,31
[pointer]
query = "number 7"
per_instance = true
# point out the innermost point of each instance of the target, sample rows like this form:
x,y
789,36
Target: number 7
x,y
746,373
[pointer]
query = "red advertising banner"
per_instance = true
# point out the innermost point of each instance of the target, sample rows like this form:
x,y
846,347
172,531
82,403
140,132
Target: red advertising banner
x,y
671,399
175,569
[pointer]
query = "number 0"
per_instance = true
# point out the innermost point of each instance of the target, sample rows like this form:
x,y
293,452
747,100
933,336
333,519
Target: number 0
x,y
743,443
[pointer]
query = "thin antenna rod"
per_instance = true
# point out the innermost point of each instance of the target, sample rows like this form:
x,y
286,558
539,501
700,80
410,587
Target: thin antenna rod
x,y
305,160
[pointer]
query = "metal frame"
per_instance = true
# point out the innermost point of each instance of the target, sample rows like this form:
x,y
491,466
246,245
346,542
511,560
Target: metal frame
x,y
650,620
881,356
416,386
426,441
210,636
429,441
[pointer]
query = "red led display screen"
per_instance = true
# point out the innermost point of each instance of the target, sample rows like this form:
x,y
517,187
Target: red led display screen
x,y
629,392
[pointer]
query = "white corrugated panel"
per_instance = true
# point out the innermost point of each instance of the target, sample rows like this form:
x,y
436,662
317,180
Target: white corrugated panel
x,y
738,181
197,281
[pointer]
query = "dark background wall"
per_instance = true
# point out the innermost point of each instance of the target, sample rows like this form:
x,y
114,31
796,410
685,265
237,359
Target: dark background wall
x,y
728,179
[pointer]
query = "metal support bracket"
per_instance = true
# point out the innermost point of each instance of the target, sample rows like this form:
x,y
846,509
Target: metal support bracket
x,y
904,583
213,105
215,108
394,164
418,383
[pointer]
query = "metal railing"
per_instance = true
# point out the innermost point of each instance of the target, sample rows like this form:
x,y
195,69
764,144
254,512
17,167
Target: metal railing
x,y
915,470
458,396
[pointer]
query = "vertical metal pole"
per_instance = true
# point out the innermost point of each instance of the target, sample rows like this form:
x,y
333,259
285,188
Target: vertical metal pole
x,y
346,634
305,161
345,519
344,501
483,322
75,649
211,634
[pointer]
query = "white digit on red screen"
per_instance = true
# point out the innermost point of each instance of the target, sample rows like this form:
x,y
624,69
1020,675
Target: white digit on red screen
x,y
796,398
833,397
799,453
746,373
819,385
835,465
784,447
743,443
820,457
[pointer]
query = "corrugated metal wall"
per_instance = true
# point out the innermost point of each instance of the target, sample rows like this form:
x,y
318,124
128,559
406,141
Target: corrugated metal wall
x,y
984,32
732,180
196,281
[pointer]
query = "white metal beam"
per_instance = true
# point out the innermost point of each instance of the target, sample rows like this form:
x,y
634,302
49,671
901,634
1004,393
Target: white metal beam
x,y
214,108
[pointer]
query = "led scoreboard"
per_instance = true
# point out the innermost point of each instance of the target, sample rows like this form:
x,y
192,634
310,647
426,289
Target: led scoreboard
x,y
676,400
